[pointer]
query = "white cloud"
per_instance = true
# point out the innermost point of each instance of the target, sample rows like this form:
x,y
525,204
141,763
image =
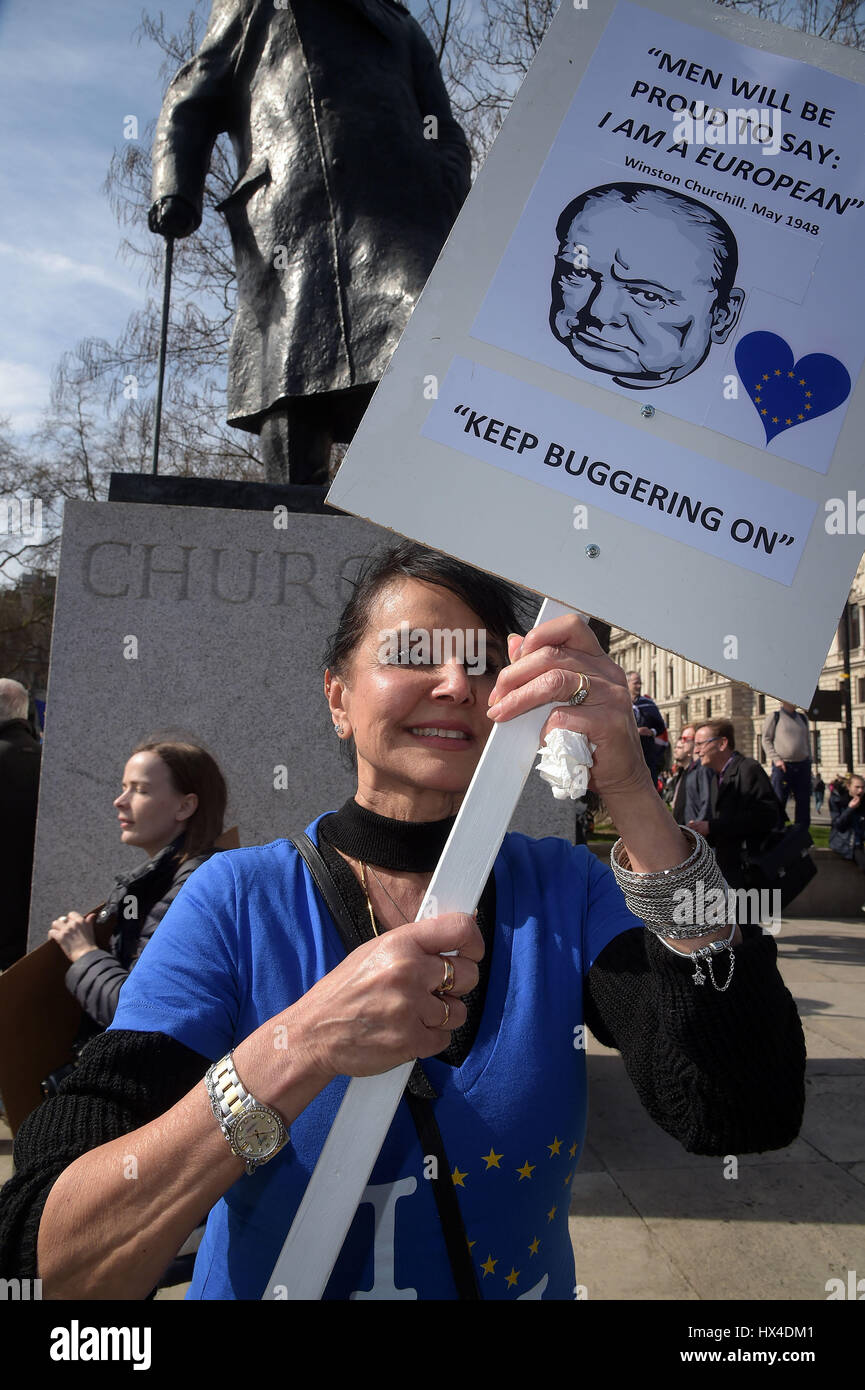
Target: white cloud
x,y
53,263
24,393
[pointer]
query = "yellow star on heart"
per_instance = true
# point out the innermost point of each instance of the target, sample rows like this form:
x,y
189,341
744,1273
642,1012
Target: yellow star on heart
x,y
489,1265
457,1177
551,1213
526,1170
491,1159
512,1277
533,1248
555,1146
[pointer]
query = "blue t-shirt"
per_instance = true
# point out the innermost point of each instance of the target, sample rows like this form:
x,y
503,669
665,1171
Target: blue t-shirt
x,y
248,935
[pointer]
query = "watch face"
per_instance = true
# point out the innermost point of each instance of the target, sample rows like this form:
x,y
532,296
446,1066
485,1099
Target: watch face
x,y
256,1135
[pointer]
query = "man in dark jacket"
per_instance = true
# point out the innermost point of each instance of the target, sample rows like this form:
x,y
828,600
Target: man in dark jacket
x,y
654,739
744,807
351,170
20,756
693,782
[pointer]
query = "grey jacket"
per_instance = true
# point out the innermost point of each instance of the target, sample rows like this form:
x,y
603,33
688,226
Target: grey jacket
x,y
137,904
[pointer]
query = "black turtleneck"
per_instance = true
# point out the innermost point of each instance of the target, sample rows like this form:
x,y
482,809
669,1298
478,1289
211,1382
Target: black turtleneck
x,y
409,847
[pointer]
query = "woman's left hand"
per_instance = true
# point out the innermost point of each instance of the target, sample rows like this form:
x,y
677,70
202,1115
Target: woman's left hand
x,y
546,669
74,934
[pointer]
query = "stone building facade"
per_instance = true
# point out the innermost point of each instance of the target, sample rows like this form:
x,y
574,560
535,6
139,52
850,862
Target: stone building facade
x,y
687,693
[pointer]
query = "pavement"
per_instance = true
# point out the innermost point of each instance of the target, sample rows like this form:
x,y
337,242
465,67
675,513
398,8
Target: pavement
x,y
650,1221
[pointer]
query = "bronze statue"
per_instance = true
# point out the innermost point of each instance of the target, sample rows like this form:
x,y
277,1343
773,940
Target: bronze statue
x,y
351,172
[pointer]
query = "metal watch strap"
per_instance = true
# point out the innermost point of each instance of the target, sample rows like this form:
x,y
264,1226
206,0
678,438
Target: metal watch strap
x,y
229,1099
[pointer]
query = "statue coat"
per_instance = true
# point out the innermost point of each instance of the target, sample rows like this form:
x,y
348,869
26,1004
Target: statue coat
x,y
342,203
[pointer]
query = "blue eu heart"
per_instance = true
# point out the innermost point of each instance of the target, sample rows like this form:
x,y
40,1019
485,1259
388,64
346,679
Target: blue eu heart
x,y
787,393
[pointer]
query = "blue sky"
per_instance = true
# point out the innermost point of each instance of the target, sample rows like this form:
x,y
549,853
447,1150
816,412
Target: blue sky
x,y
69,74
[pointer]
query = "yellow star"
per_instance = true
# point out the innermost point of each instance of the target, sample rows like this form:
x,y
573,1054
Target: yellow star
x,y
791,373
533,1248
758,387
526,1170
573,1149
801,381
551,1213
808,406
568,1178
774,419
457,1177
512,1277
555,1146
788,421
800,417
764,411
765,376
471,1242
777,371
757,400
489,1265
808,393
491,1159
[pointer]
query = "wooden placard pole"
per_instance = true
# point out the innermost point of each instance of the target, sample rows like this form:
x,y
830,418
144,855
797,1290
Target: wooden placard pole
x,y
321,1224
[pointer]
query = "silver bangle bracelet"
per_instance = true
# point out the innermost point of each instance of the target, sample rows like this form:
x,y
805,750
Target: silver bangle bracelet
x,y
705,953
670,900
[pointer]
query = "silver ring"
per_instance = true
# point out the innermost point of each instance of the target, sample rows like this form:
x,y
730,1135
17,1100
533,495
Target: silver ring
x,y
582,691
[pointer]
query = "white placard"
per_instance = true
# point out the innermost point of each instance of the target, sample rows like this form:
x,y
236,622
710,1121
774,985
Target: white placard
x,y
689,311
779,193
670,490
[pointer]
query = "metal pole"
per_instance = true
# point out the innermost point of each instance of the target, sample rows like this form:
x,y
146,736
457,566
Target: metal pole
x,y
845,686
163,339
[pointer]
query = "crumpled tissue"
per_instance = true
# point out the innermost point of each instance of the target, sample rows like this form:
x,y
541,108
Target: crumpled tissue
x,y
566,760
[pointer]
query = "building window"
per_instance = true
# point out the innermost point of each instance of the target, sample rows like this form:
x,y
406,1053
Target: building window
x,y
860,690
816,749
860,745
761,704
759,751
671,681
708,707
855,641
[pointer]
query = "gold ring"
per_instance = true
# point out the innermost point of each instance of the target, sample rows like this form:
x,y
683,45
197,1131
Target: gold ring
x,y
444,1022
582,691
447,983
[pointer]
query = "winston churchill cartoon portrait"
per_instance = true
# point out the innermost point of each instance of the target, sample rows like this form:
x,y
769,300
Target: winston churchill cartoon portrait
x,y
644,283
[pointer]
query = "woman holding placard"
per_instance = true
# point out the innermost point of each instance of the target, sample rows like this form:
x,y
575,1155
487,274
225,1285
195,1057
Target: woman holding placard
x,y
233,1042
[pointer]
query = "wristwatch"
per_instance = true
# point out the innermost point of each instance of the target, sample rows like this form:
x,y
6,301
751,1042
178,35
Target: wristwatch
x,y
254,1131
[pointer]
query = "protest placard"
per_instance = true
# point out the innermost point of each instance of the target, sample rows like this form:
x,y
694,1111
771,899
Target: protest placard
x,y
633,381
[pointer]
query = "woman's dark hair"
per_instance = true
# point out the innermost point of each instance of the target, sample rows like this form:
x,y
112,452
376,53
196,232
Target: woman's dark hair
x,y
501,607
193,769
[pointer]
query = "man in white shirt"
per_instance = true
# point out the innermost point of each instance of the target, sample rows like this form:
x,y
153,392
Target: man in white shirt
x,y
788,747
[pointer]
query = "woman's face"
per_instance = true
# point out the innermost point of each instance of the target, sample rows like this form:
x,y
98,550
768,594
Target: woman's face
x,y
415,698
150,809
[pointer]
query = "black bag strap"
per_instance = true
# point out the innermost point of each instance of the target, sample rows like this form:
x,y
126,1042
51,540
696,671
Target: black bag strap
x,y
420,1105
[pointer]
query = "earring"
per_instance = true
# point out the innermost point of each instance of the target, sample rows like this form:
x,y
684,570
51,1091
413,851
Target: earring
x,y
337,729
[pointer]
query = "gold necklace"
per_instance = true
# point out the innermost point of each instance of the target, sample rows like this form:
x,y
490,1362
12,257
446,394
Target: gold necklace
x,y
366,892
390,895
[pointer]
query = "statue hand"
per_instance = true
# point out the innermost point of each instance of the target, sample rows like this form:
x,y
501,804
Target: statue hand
x,y
172,217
